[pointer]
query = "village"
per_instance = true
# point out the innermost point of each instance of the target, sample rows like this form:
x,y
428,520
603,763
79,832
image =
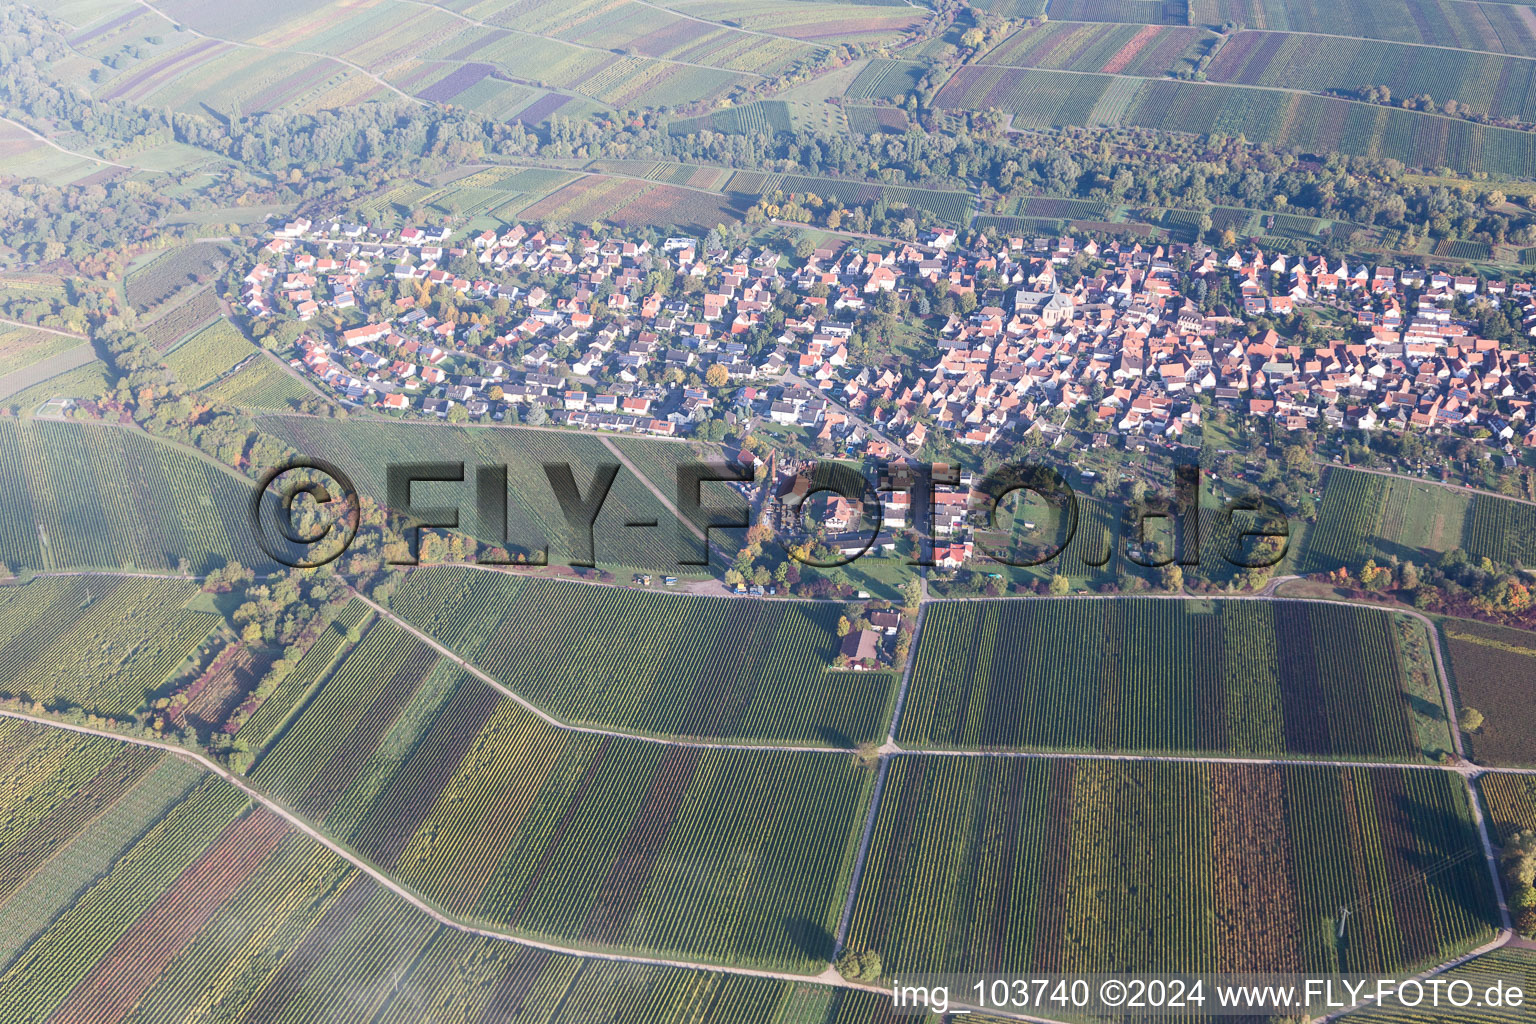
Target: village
x,y
691,337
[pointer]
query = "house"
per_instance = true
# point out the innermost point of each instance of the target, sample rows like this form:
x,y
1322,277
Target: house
x,y
861,648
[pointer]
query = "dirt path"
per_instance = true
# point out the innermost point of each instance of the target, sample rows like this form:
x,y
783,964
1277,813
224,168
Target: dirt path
x,y
46,330
1424,481
284,49
69,152
544,716
666,502
587,46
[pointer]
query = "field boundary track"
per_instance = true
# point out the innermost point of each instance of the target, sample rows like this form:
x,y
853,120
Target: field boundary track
x,y
1470,772
828,977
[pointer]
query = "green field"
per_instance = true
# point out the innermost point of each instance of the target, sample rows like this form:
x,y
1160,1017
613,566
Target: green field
x,y
652,662
995,864
1173,676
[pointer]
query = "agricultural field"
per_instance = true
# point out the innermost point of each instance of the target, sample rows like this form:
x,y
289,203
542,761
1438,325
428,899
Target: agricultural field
x,y
653,662
183,317
18,386
1501,86
21,347
100,643
24,156
158,893
209,353
106,497
1039,99
76,373
1510,801
261,384
1492,668
1367,515
279,707
152,283
490,812
876,120
534,519
1463,24
1271,679
1136,12
762,116
1503,530
1004,864
948,206
827,23
1510,966
1147,50
1321,124
885,79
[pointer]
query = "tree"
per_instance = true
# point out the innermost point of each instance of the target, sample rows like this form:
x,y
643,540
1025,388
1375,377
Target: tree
x,y
1060,585
717,376
458,414
844,627
860,965
1173,577
1470,720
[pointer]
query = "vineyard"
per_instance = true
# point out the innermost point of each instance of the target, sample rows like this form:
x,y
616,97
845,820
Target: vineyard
x,y
1511,803
209,353
166,274
223,912
21,347
885,79
174,324
988,864
1316,124
1492,26
1504,531
261,384
534,518
1507,966
104,497
654,663
97,643
1035,98
481,807
1367,515
1486,82
1493,668
284,702
1167,676
949,207
1102,46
